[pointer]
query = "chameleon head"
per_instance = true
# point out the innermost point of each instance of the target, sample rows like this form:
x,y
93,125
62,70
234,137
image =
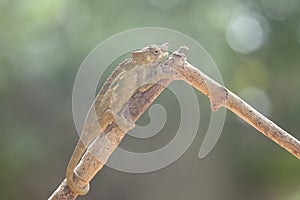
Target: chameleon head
x,y
152,54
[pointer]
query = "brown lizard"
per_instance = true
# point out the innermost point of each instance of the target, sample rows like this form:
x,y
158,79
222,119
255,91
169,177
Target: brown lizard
x,y
139,72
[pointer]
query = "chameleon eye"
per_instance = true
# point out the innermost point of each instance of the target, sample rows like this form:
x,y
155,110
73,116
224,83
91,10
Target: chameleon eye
x,y
156,51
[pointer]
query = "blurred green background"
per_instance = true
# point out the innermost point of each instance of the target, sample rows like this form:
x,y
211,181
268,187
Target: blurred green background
x,y
256,45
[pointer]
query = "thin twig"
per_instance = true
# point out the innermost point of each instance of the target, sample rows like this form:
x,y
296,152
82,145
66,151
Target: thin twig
x,y
221,96
100,150
104,145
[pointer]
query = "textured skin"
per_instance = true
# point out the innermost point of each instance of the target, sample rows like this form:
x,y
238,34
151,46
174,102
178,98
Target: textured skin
x,y
139,72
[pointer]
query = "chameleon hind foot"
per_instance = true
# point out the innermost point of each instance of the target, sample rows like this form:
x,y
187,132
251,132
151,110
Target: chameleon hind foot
x,y
76,189
111,116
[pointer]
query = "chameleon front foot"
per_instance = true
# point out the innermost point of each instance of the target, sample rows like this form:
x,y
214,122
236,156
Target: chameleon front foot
x,y
76,189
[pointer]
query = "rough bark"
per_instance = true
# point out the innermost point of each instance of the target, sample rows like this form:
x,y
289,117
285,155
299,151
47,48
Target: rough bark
x,y
100,150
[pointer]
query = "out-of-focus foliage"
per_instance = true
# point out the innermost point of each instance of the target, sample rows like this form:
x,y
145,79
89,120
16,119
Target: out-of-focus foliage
x,y
256,45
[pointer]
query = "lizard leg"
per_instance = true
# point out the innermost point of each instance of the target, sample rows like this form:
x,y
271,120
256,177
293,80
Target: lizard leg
x,y
106,119
111,116
75,188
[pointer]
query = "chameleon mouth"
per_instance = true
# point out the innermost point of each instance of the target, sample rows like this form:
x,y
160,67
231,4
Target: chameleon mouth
x,y
164,56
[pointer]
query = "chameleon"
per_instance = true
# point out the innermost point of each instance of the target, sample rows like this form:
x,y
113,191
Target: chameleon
x,y
137,73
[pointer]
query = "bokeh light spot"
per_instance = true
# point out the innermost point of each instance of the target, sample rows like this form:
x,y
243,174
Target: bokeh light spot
x,y
252,73
279,10
245,34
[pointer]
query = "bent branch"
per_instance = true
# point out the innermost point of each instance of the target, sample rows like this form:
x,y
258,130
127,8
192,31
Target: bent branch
x,y
100,150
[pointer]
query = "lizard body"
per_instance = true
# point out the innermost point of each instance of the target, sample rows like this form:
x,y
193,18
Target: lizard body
x,y
139,72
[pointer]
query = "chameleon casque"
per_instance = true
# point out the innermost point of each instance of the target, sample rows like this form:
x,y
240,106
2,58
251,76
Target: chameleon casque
x,y
137,73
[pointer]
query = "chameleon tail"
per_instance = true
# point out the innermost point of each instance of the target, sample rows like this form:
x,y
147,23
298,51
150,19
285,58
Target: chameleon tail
x,y
79,151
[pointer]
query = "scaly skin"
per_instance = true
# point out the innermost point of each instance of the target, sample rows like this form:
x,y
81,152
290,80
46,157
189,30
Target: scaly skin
x,y
131,75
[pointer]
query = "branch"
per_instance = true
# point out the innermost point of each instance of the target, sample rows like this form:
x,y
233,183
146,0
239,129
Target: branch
x,y
100,150
221,96
105,144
